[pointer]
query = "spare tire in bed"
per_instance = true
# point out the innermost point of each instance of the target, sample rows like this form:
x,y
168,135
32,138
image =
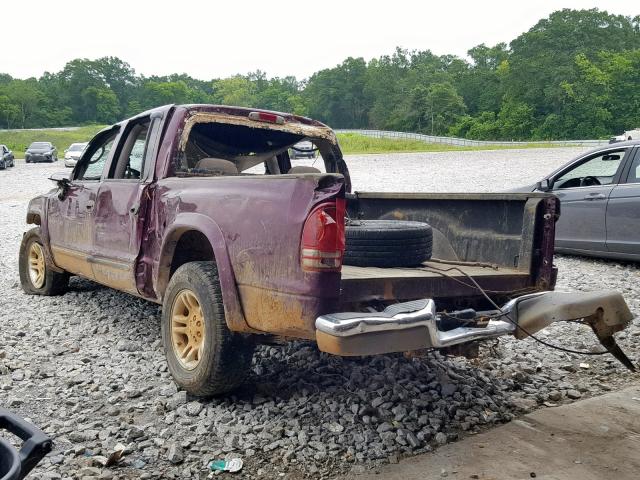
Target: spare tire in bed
x,y
387,243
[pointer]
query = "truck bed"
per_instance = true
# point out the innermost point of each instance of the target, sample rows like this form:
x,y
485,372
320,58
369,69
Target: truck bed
x,y
435,280
503,241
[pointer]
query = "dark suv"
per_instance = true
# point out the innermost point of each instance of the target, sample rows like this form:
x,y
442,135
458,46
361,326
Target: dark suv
x,y
41,152
6,157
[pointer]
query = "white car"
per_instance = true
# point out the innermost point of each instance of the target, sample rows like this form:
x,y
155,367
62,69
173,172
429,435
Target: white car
x,y
628,135
632,134
73,153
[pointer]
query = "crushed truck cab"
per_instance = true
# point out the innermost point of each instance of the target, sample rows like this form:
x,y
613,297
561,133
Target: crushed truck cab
x,y
205,210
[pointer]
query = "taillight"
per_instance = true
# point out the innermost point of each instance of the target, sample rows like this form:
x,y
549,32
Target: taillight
x,y
323,237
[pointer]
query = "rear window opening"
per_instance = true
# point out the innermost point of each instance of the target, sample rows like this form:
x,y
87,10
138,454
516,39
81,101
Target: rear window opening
x,y
214,149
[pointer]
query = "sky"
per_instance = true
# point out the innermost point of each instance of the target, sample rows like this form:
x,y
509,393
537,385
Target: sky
x,y
216,39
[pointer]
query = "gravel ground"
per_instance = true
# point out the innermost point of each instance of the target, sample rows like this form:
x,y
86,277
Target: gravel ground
x,y
88,366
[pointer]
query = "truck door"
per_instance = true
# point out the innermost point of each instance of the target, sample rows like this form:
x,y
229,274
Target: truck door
x,y
623,212
70,216
119,202
583,190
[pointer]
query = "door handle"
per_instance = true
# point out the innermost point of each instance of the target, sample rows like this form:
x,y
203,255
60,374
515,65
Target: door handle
x,y
90,205
595,196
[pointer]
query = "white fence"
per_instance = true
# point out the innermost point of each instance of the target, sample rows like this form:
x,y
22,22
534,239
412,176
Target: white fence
x,y
463,142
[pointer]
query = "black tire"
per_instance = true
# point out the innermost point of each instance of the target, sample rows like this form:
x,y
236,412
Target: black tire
x,y
226,356
54,283
387,243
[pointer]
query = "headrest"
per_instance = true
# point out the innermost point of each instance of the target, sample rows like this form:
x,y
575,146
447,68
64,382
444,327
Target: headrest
x,y
303,169
217,165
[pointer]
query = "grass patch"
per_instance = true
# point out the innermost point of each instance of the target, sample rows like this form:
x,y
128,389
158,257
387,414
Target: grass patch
x,y
353,143
350,143
19,140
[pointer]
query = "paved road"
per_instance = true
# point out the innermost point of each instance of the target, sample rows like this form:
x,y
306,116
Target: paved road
x,y
592,439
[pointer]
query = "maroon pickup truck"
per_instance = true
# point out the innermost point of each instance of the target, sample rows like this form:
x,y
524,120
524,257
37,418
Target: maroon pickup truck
x,y
201,208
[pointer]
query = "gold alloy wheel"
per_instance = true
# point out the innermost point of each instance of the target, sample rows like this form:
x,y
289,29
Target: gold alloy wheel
x,y
37,267
187,329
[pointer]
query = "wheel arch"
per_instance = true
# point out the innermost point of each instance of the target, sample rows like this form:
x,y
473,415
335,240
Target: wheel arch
x,y
35,211
195,237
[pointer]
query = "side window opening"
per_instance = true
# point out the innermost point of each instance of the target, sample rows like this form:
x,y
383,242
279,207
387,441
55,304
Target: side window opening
x,y
132,152
598,170
96,155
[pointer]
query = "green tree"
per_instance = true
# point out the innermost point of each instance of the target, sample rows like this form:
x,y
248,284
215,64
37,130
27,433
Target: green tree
x,y
101,104
10,112
236,90
515,120
25,97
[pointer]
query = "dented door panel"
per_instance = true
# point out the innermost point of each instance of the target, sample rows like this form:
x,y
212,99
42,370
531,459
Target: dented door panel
x,y
70,227
116,242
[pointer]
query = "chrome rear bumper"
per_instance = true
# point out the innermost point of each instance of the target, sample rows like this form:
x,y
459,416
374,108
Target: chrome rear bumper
x,y
416,325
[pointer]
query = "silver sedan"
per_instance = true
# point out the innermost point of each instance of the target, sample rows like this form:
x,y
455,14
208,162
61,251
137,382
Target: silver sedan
x,y
599,194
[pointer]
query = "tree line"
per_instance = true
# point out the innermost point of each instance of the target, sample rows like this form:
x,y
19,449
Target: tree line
x,y
575,74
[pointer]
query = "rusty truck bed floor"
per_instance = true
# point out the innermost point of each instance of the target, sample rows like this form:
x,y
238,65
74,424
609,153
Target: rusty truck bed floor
x,y
349,272
434,280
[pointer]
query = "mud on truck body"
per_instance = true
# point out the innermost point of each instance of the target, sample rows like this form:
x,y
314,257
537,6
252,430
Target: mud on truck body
x,y
199,208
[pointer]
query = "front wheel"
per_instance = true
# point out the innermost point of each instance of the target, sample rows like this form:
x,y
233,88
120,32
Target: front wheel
x,y
36,277
203,355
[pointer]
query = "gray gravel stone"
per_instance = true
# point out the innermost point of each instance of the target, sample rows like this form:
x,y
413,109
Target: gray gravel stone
x,y
574,394
441,438
175,454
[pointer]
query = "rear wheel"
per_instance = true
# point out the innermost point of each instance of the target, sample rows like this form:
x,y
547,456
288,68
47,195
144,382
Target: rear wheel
x,y
36,277
203,355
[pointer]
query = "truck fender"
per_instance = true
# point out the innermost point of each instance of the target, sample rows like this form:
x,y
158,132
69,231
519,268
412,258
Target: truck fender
x,y
35,211
37,215
184,222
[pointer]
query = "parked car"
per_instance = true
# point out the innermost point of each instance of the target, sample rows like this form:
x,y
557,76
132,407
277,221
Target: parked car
x,y
304,149
599,192
73,153
6,157
166,206
14,464
41,152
